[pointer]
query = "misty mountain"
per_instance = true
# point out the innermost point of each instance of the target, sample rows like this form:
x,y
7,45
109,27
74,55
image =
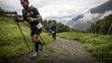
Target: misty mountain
x,y
83,21
102,8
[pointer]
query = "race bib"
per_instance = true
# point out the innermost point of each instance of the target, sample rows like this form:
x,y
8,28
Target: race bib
x,y
52,31
39,26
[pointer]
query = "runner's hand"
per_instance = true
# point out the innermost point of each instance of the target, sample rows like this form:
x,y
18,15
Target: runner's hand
x,y
15,18
31,19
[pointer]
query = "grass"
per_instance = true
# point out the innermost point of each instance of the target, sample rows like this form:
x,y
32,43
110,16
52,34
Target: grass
x,y
62,60
51,49
99,45
65,52
12,43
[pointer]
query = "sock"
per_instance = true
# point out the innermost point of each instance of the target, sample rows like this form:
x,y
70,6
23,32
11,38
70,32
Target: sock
x,y
41,45
36,46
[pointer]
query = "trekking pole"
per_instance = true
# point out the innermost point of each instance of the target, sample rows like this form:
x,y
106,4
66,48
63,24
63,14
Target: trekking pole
x,y
41,37
43,42
23,34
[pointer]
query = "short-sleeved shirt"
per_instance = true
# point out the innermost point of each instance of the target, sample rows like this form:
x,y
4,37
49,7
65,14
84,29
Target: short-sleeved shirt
x,y
32,12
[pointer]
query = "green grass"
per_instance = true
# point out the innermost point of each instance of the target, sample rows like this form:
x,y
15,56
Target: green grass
x,y
51,49
65,52
12,43
99,45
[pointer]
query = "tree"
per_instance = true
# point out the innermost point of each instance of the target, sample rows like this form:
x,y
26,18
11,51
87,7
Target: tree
x,y
2,12
60,27
102,26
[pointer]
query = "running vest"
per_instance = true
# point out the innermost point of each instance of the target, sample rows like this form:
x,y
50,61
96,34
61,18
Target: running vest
x,y
32,12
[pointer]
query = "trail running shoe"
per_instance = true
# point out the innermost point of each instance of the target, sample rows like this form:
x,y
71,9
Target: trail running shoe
x,y
35,55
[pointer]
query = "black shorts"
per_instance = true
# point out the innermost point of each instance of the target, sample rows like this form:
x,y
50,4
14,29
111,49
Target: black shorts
x,y
53,34
35,31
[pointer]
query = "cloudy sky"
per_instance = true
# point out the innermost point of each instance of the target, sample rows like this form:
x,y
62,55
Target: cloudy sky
x,y
54,7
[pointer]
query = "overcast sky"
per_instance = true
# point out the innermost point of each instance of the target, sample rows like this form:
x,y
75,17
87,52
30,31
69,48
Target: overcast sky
x,y
54,7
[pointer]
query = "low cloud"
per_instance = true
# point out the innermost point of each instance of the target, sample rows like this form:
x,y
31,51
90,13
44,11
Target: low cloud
x,y
53,7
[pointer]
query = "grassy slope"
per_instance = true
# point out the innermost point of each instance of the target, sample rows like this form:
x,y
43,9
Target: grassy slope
x,y
98,45
12,43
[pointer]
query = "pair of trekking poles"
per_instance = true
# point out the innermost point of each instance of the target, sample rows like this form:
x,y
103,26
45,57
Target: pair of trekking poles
x,y
25,38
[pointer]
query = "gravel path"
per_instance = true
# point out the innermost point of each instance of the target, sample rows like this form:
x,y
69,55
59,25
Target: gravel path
x,y
60,51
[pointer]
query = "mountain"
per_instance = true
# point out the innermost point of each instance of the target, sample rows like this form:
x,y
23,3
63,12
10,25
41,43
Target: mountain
x,y
102,8
83,21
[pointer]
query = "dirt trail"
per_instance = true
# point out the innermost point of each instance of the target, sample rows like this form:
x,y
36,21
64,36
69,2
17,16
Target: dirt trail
x,y
60,51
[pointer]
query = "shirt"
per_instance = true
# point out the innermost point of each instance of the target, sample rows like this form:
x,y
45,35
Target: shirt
x,y
31,12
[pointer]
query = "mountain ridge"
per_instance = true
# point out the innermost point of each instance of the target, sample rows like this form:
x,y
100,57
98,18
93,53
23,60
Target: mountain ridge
x,y
84,21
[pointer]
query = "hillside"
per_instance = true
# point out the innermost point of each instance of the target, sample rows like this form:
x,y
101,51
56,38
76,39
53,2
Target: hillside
x,y
12,43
